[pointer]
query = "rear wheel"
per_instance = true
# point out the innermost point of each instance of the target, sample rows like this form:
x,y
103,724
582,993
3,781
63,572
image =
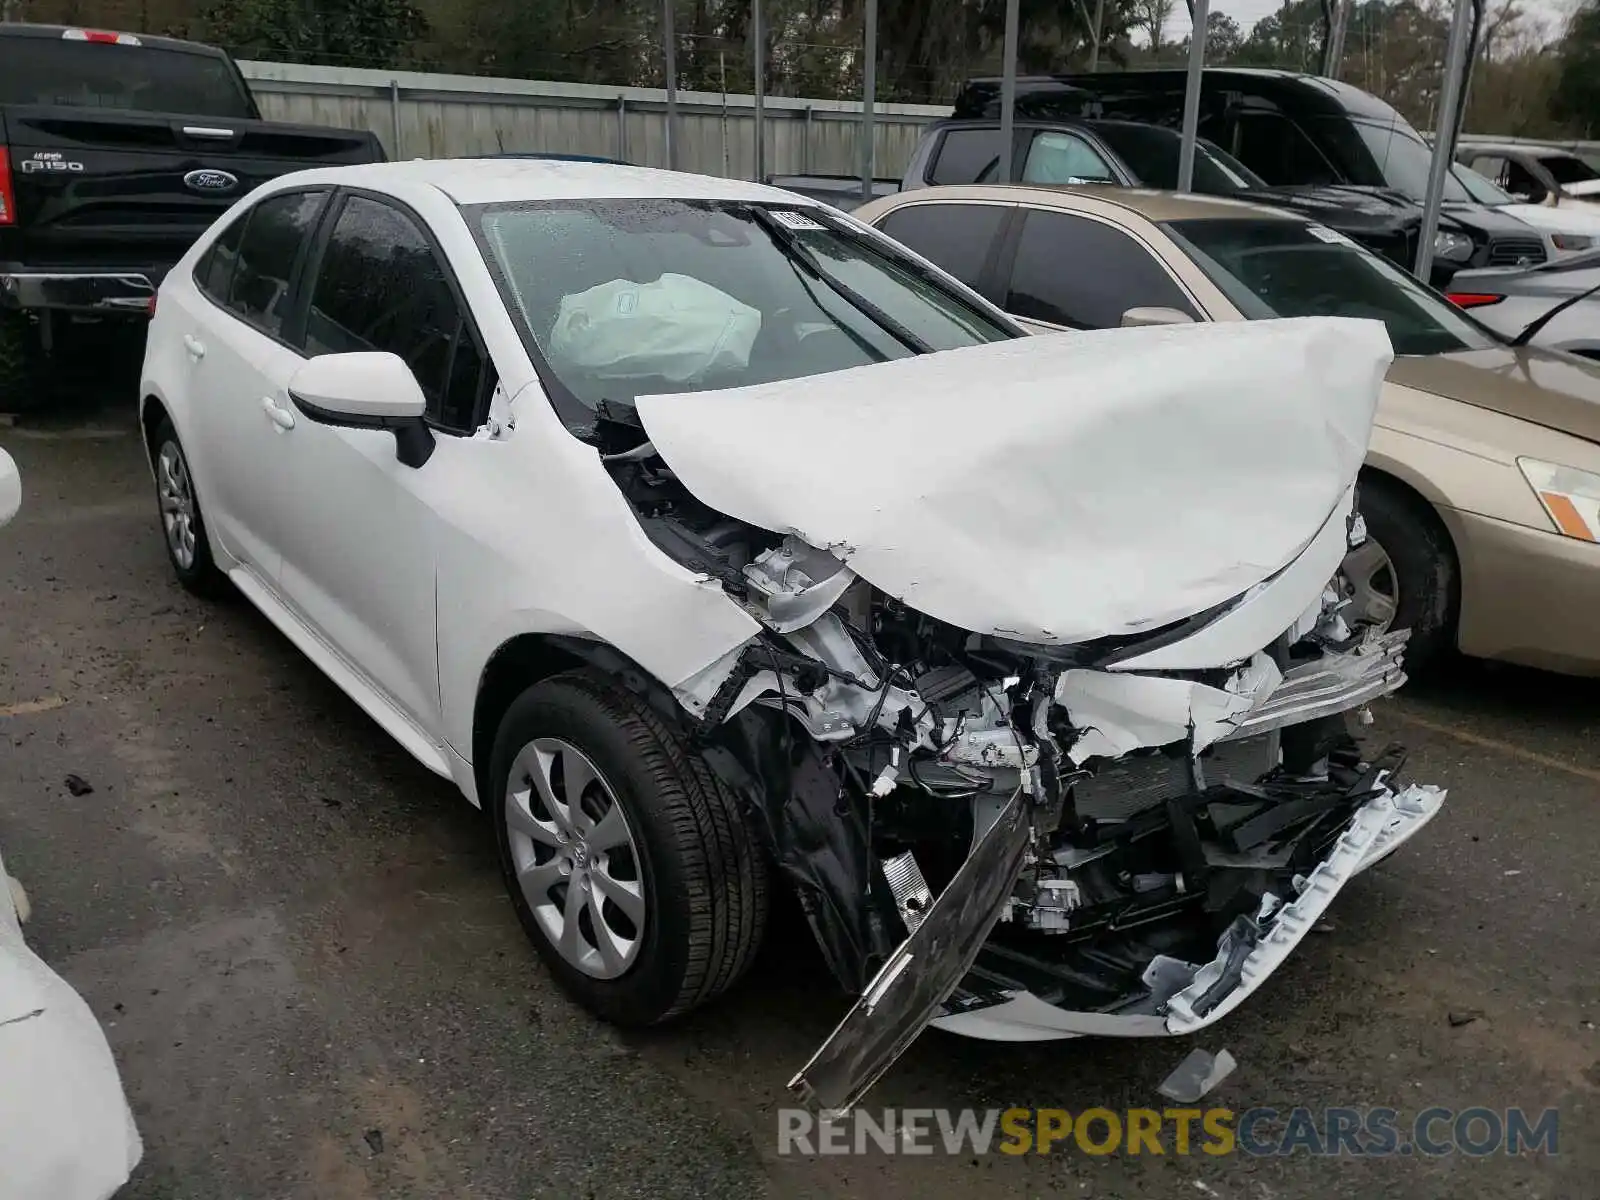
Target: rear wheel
x,y
1404,576
23,378
183,528
627,860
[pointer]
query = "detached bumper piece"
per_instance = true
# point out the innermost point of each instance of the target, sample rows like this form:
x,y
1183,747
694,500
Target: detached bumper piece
x,y
1332,684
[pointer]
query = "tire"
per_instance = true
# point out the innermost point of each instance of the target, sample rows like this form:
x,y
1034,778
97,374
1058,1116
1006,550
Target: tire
x,y
701,879
177,502
1424,587
23,379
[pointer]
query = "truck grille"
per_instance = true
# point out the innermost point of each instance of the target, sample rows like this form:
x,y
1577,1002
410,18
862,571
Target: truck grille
x,y
1516,252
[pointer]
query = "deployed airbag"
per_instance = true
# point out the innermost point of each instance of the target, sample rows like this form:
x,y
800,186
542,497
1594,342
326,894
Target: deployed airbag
x,y
1051,489
677,328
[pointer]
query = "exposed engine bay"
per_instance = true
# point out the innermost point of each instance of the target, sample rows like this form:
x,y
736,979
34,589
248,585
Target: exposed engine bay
x,y
1139,834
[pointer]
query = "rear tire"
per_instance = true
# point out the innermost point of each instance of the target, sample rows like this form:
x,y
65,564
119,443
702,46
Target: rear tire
x,y
183,526
676,841
1411,564
23,378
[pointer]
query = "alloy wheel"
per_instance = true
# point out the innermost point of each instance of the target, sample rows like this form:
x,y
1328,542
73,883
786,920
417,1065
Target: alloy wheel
x,y
1374,585
576,858
176,494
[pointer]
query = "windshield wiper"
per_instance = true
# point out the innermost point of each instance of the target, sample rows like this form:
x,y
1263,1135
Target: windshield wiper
x,y
1532,328
801,254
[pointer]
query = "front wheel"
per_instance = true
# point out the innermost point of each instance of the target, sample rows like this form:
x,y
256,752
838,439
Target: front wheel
x,y
627,860
1404,576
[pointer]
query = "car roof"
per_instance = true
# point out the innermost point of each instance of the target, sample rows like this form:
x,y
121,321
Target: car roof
x,y
1507,148
508,180
1150,203
57,32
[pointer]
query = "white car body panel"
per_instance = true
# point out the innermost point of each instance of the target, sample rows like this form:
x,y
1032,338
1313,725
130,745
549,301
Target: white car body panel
x,y
1582,220
1076,545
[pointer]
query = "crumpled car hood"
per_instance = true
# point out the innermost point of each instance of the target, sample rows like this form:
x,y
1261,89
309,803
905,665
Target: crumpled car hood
x,y
1051,489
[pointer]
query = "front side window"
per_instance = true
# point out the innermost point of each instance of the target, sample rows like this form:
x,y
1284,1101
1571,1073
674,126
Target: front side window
x,y
959,237
1064,158
1085,274
1568,168
622,298
275,238
1151,153
380,286
1277,150
1291,269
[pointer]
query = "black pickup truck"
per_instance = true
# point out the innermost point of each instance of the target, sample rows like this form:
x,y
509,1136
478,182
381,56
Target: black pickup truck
x,y
117,150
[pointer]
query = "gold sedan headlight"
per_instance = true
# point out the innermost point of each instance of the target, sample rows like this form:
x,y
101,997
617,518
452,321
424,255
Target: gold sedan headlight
x,y
1571,496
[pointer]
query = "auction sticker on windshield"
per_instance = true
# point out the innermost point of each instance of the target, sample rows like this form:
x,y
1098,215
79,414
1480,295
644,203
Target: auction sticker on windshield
x,y
794,220
1332,237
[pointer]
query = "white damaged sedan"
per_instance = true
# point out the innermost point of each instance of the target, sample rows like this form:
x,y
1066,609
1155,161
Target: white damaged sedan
x,y
710,540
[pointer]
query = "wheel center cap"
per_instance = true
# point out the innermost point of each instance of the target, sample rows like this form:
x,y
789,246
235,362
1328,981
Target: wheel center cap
x,y
580,854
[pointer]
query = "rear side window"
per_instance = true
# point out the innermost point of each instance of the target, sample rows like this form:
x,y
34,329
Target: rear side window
x,y
274,240
73,74
214,272
1085,274
966,156
958,237
381,286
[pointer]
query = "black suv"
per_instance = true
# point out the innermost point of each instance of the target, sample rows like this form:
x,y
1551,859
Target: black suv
x,y
1310,139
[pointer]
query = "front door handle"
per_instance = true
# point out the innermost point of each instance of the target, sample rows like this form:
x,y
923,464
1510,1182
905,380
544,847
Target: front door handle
x,y
195,347
281,417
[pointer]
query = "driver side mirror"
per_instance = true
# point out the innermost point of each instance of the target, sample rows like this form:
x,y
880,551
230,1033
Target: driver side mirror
x,y
366,389
1138,318
10,488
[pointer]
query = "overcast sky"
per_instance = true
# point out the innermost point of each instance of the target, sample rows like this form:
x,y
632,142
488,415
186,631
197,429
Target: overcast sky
x,y
1551,13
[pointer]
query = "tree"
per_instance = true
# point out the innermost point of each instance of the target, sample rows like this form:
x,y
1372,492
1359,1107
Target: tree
x,y
1152,16
1576,98
1224,39
346,33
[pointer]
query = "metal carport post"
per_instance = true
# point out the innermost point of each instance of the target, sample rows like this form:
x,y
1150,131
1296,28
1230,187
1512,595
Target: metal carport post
x,y
669,50
1444,131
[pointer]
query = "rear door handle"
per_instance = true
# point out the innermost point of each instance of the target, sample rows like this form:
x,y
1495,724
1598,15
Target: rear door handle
x,y
281,417
195,347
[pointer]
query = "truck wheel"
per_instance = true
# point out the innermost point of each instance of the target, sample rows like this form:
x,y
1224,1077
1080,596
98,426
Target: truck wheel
x,y
183,528
627,860
22,375
1404,576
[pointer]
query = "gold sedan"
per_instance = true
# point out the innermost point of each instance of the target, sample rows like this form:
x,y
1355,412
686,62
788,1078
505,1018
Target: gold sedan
x,y
1481,492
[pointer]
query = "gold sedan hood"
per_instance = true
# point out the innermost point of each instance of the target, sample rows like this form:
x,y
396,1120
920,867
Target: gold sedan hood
x,y
1558,391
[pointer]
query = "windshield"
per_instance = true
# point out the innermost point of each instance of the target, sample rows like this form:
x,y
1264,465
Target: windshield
x,y
1290,269
52,72
1379,155
623,298
1152,155
1481,188
1568,168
